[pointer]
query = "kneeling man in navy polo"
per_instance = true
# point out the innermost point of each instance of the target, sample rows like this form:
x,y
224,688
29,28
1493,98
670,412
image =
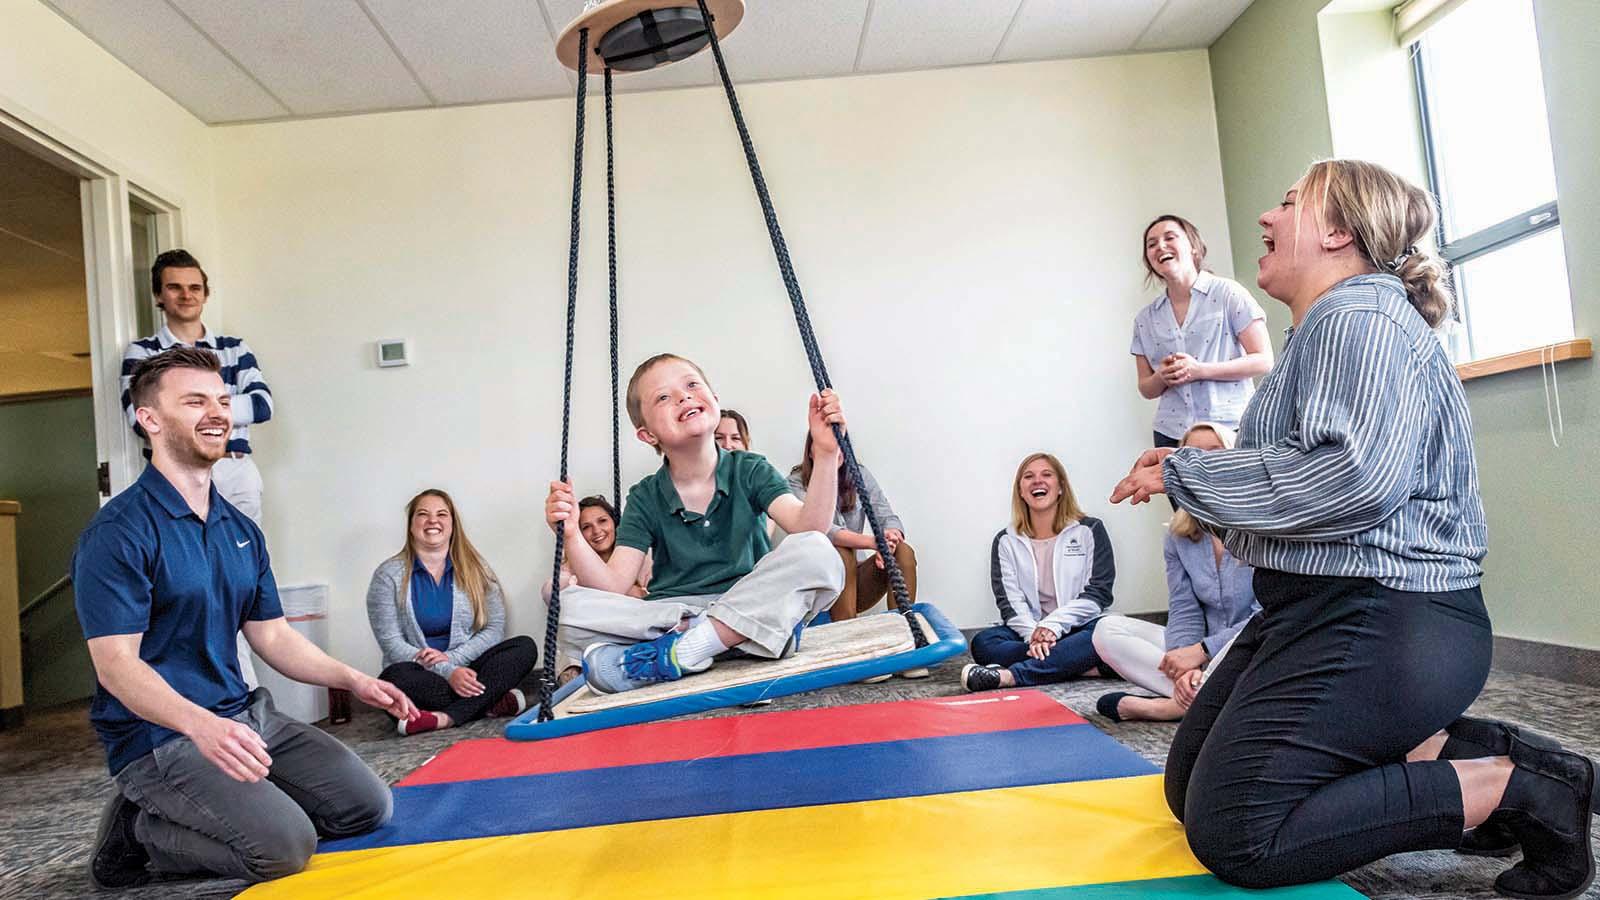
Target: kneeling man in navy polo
x,y
211,778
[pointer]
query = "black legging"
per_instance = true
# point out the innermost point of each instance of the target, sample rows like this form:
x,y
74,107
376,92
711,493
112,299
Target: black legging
x,y
1290,766
500,668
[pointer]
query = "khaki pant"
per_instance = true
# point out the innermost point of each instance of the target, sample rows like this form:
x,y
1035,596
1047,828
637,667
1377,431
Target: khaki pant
x,y
793,583
865,583
238,480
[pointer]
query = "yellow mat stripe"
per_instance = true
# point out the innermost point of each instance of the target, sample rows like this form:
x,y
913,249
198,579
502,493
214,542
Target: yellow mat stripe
x,y
1088,832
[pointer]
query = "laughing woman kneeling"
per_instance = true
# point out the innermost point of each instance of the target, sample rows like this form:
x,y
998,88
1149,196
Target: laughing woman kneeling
x,y
1332,734
438,613
1052,571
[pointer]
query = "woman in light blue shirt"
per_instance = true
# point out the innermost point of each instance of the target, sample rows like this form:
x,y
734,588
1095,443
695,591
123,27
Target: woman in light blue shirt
x,y
1200,341
1210,598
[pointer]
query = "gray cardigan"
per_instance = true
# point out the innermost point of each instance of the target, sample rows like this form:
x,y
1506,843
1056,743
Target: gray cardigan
x,y
395,626
856,519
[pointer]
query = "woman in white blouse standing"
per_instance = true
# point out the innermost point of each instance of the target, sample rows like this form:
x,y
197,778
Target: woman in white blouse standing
x,y
1200,341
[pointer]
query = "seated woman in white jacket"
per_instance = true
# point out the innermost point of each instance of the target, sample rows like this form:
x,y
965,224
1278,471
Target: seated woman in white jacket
x,y
1210,599
1052,571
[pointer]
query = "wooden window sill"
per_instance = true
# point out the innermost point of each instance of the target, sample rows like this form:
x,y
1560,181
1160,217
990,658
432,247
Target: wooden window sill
x,y
1577,348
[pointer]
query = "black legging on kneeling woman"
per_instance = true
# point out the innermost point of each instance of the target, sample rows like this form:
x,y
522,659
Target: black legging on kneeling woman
x,y
500,668
1290,766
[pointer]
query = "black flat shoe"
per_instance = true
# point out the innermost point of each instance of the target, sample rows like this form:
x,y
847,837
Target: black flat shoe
x,y
119,861
1547,808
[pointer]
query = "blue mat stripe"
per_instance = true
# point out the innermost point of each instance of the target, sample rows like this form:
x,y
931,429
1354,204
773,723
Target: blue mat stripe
x,y
726,784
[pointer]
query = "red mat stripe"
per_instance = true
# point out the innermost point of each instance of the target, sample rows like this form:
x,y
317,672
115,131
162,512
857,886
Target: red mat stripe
x,y
799,729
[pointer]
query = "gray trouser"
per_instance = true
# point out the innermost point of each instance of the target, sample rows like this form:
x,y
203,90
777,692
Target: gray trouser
x,y
797,580
196,819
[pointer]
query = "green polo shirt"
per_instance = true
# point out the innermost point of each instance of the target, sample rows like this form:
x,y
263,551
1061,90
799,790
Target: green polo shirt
x,y
703,553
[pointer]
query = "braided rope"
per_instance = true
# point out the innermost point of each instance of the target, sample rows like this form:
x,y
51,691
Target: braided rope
x,y
808,338
611,252
548,682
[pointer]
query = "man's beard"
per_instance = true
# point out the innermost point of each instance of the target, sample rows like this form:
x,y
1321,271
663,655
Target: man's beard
x,y
185,448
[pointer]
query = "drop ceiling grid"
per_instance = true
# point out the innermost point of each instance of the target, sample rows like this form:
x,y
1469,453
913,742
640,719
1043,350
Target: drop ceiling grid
x,y
1191,23
1050,29
907,34
317,56
153,39
447,43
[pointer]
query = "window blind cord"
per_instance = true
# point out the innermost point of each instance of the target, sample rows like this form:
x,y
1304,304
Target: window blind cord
x,y
1558,425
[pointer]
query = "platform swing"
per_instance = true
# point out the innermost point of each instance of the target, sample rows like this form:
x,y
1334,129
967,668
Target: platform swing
x,y
635,36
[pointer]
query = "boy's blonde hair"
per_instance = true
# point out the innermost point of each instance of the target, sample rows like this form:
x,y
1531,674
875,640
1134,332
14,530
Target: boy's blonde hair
x,y
635,405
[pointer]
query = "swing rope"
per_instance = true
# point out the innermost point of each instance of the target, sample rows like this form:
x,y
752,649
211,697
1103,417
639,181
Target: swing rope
x,y
547,683
611,252
808,338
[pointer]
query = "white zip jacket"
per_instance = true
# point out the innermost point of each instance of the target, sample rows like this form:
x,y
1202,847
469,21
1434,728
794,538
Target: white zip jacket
x,y
1084,572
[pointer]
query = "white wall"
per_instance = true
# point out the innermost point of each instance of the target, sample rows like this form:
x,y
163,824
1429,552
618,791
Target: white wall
x,y
968,240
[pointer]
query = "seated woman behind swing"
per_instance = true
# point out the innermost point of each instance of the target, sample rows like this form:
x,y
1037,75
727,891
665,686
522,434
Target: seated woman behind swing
x,y
597,522
1052,571
702,516
865,581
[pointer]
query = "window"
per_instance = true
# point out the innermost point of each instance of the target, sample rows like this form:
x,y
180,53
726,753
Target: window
x,y
1488,145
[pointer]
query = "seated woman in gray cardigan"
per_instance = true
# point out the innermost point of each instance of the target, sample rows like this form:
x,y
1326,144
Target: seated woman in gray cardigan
x,y
439,615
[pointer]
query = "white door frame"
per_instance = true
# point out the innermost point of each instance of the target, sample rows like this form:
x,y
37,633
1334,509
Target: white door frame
x,y
107,262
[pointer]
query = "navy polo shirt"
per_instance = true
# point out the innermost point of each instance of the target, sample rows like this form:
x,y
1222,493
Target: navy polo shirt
x,y
147,565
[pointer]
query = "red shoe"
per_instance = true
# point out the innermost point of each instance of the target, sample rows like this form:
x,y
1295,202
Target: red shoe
x,y
424,721
511,704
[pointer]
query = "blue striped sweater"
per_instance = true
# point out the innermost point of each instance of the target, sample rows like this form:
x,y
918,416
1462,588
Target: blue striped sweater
x,y
1354,458
252,400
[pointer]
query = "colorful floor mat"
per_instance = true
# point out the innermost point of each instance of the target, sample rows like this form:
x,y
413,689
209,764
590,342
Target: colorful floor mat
x,y
1003,795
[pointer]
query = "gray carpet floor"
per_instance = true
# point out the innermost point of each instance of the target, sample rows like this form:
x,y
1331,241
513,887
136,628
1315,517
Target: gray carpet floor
x,y
53,779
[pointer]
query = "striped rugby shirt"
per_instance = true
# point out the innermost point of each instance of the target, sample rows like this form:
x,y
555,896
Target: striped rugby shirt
x,y
1354,458
239,372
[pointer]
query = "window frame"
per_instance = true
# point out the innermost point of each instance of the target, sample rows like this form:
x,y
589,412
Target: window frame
x,y
1485,240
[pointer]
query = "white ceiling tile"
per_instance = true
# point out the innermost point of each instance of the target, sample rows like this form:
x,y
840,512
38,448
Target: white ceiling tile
x,y
1191,23
1051,29
154,40
317,56
918,34
467,51
795,40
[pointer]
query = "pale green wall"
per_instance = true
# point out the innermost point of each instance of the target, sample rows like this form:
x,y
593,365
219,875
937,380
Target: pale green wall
x,y
1542,502
47,461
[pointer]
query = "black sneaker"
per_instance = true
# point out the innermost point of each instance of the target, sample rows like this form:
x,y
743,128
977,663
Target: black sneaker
x,y
980,678
119,860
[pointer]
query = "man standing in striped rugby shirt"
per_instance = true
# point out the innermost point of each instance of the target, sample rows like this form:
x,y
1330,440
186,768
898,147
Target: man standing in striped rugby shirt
x,y
181,289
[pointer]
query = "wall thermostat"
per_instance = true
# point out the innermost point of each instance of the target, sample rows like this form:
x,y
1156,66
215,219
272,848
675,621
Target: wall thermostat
x,y
393,352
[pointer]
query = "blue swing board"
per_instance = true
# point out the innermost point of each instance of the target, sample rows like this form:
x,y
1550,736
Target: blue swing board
x,y
945,642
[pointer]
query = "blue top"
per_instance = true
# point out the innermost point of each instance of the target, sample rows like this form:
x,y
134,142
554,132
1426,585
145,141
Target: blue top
x,y
1355,458
1220,309
1209,601
147,565
433,603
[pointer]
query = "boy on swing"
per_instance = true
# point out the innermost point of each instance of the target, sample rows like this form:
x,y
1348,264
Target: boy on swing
x,y
701,515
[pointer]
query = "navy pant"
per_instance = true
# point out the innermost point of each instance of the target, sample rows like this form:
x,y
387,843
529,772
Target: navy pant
x,y
1073,654
1290,766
